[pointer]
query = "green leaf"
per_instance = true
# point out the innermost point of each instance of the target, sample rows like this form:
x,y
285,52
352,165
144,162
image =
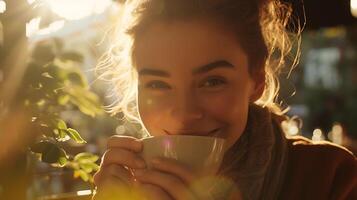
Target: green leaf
x,y
89,167
61,124
50,153
87,102
75,136
51,156
81,173
62,135
86,157
63,159
86,110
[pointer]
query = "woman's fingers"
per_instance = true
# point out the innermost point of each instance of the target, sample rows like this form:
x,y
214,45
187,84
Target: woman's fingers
x,y
171,166
122,157
118,172
125,142
114,174
170,183
118,157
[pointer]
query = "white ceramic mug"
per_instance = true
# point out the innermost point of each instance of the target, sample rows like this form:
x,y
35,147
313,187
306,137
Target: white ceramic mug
x,y
201,154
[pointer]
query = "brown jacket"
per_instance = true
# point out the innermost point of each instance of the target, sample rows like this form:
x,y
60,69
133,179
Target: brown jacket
x,y
319,171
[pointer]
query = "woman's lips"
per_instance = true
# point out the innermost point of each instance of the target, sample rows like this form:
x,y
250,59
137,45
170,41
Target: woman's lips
x,y
213,133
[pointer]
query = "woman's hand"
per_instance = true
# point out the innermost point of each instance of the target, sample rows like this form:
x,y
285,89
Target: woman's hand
x,y
123,175
114,176
172,178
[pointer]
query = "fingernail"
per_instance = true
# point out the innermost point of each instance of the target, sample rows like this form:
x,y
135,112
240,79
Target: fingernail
x,y
140,163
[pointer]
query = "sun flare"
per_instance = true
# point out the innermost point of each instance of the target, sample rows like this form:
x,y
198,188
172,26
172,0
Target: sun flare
x,y
74,10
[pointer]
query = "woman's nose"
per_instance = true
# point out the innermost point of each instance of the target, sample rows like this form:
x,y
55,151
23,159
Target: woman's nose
x,y
186,110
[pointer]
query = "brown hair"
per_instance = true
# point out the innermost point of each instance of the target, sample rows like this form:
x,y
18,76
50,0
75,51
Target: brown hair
x,y
260,26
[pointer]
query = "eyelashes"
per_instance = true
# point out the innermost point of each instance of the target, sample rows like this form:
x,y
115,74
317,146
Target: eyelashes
x,y
208,83
157,85
213,82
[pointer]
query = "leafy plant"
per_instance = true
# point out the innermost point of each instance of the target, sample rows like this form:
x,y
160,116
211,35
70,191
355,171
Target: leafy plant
x,y
54,83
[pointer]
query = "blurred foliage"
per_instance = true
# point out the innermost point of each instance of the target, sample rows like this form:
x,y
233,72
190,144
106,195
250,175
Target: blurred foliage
x,y
52,86
54,83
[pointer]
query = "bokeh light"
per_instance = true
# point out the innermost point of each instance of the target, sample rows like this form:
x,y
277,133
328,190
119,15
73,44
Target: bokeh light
x,y
317,135
292,126
354,7
74,10
2,6
336,134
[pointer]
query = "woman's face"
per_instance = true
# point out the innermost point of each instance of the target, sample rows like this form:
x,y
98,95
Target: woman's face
x,y
193,80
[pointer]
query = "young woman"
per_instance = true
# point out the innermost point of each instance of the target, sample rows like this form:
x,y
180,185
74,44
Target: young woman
x,y
209,67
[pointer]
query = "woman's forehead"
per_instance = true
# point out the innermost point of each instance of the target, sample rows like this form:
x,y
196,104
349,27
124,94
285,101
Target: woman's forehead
x,y
185,43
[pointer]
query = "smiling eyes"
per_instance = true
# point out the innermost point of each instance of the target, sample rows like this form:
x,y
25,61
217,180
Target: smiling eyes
x,y
213,82
157,85
209,83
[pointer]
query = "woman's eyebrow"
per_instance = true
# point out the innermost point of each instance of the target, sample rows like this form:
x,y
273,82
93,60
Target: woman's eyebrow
x,y
212,66
199,70
153,72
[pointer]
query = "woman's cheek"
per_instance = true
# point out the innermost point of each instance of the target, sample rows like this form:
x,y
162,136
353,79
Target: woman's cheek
x,y
152,109
229,108
224,105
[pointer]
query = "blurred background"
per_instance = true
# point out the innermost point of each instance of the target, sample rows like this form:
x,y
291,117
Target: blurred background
x,y
53,127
